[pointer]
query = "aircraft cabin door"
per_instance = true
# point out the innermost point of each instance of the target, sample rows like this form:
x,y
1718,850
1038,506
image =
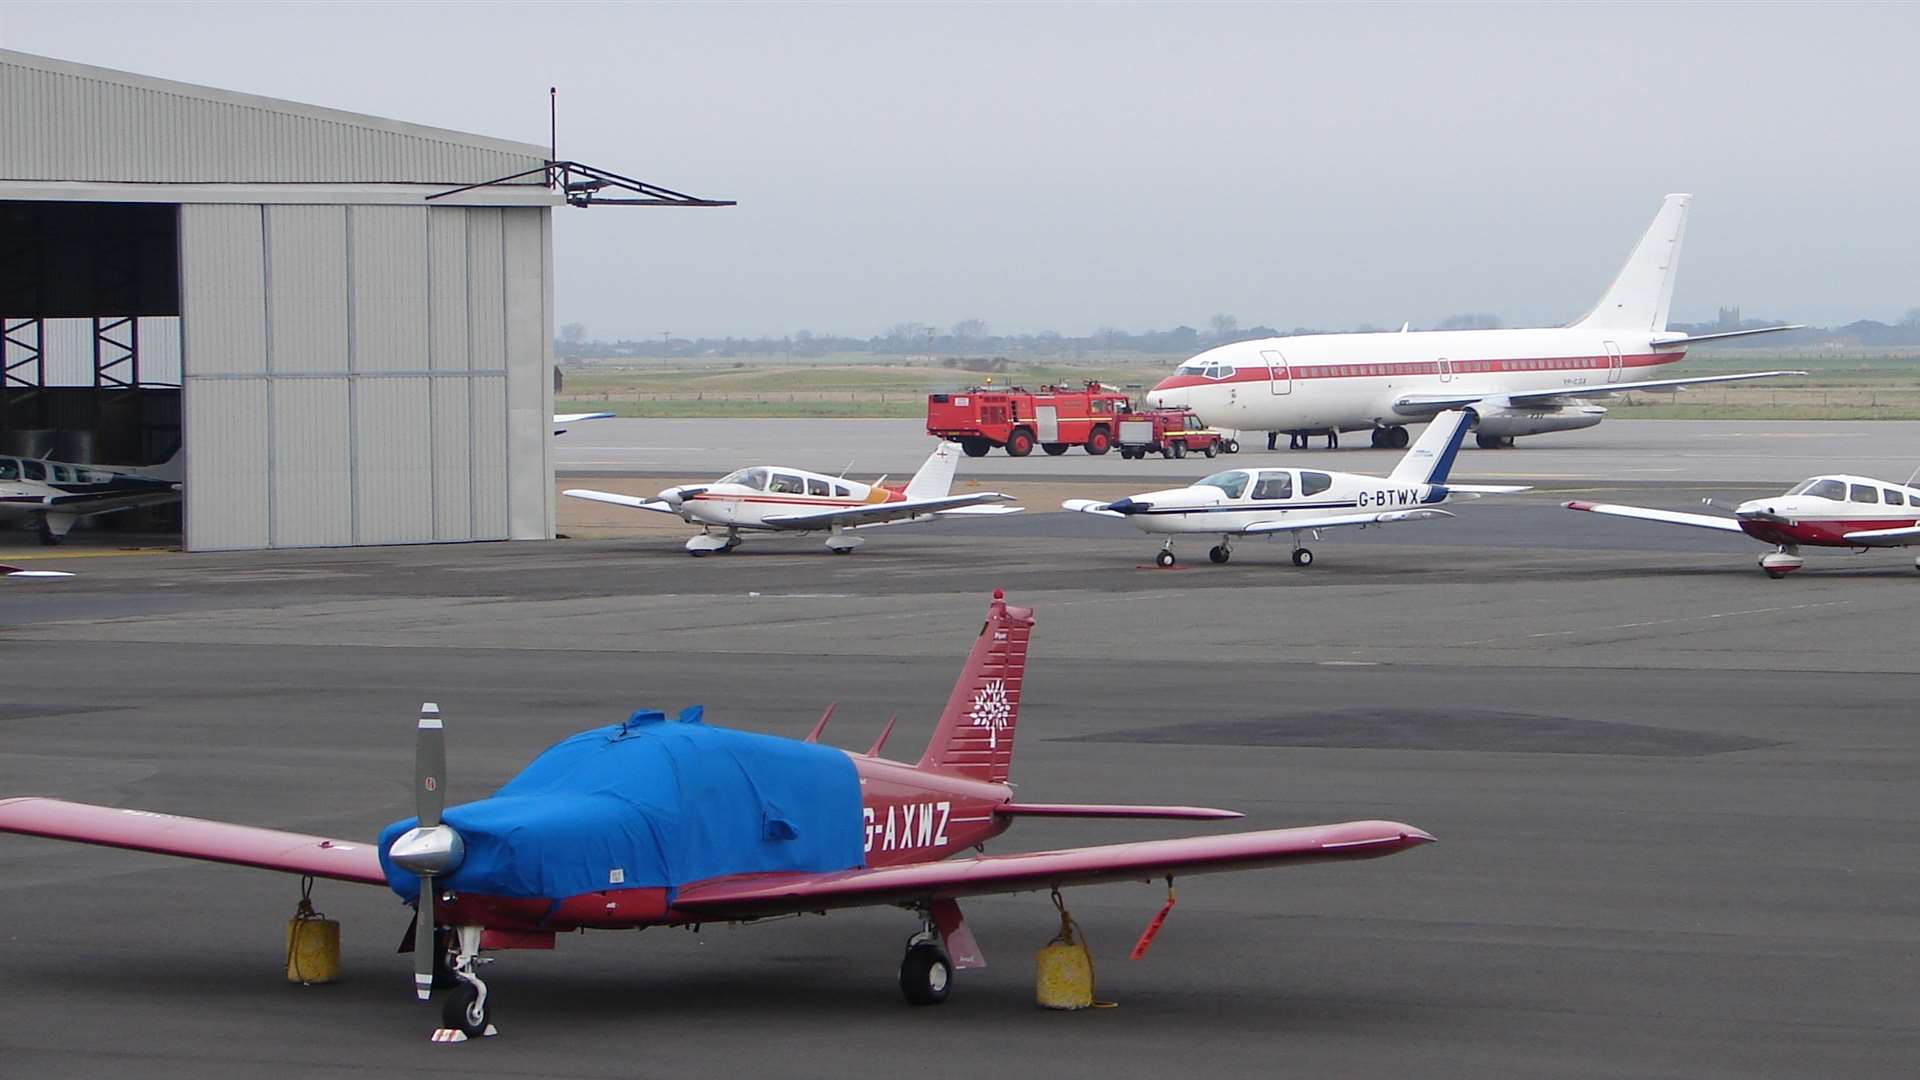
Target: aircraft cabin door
x,y
1047,419
1613,362
1279,376
1446,370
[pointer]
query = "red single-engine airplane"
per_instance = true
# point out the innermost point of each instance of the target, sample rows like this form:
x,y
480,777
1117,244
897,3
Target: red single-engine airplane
x,y
655,822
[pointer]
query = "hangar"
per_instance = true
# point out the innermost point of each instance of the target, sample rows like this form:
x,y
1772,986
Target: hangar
x,y
348,349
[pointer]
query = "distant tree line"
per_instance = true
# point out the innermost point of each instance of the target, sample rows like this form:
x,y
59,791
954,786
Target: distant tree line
x,y
973,337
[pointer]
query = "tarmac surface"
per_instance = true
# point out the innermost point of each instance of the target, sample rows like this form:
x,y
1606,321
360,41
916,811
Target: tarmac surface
x,y
1674,798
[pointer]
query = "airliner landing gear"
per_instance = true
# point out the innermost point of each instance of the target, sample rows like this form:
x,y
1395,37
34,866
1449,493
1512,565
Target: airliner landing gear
x,y
1221,552
1391,437
1785,560
926,973
1165,558
1493,442
466,1013
1302,557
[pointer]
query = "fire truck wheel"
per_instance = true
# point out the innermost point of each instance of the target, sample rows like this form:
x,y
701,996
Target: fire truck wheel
x,y
1180,449
1054,449
1165,558
1019,442
975,447
1166,452
1219,554
1099,442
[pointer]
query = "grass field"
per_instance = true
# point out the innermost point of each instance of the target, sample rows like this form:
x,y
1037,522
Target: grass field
x,y
1839,386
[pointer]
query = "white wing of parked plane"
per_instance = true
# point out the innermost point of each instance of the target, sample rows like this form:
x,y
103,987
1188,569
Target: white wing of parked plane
x,y
1331,521
1670,517
560,420
1090,506
1886,537
853,517
1416,404
613,499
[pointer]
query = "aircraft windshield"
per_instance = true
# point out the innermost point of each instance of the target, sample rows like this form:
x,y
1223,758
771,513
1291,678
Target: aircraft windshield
x,y
1231,483
749,478
1823,489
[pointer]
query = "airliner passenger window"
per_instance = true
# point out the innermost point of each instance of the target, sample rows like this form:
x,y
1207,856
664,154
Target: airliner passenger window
x,y
1826,489
1230,483
786,484
1313,483
1864,494
1274,485
9,469
33,470
816,487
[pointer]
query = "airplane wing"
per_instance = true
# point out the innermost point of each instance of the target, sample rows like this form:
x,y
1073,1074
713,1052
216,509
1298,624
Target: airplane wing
x,y
1115,810
1384,517
113,500
560,420
1090,506
1671,517
853,517
1477,490
1909,534
194,838
1424,404
615,499
759,895
15,571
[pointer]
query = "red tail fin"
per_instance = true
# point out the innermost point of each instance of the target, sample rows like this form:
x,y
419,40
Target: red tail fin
x,y
975,735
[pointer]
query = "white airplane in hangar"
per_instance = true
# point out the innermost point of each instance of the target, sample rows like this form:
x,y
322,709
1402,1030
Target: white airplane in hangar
x,y
58,493
1263,502
776,498
1519,382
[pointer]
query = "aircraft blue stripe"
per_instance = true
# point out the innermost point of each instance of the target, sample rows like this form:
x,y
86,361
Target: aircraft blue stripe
x,y
1444,463
1248,507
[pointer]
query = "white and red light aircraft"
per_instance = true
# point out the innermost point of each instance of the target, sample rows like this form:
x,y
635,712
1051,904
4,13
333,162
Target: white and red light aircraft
x,y
660,823
1265,502
1840,511
57,493
1520,382
774,498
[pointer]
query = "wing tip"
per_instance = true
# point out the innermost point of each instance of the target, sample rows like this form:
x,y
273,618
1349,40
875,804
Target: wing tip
x,y
1576,504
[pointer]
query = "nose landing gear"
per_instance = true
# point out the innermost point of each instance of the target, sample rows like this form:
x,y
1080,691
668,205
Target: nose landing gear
x,y
466,1013
1782,561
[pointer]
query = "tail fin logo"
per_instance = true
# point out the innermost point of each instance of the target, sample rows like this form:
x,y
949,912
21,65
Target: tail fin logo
x,y
991,710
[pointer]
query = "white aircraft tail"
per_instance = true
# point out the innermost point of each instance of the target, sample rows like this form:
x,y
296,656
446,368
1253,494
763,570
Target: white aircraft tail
x,y
1639,297
1431,458
935,478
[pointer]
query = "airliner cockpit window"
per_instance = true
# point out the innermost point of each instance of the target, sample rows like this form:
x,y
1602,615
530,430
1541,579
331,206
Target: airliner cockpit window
x,y
1313,483
1226,372
1826,489
1231,483
9,469
747,478
1864,494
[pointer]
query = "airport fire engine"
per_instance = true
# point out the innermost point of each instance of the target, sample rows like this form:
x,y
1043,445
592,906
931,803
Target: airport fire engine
x,y
1055,417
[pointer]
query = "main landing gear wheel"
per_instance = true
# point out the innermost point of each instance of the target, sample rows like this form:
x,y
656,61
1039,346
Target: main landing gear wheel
x,y
1397,438
1164,559
466,1010
1220,554
1493,442
926,975
1302,557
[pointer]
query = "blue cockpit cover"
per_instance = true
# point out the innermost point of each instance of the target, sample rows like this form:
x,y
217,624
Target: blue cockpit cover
x,y
652,802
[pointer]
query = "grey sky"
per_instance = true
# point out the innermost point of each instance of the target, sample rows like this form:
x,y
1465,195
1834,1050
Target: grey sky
x,y
1071,166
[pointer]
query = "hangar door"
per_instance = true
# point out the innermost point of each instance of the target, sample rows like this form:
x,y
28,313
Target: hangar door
x,y
365,374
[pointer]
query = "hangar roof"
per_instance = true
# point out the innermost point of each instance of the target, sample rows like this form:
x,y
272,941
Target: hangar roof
x,y
76,126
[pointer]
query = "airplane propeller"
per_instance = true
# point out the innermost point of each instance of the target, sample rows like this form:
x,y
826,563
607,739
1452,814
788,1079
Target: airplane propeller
x,y
430,849
674,496
1750,515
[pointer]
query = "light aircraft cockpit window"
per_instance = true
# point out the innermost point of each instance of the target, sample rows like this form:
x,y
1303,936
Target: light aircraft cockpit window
x,y
816,487
1912,499
747,478
1274,485
786,484
1863,494
33,470
1826,489
9,469
1230,483
840,492
1313,483
62,474
1893,497
1800,488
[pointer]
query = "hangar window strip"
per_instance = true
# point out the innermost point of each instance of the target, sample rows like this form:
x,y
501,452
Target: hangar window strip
x,y
583,185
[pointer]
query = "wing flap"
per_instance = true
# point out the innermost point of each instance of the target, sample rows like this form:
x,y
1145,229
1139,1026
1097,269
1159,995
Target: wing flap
x,y
1333,521
770,894
1670,517
615,499
876,513
193,838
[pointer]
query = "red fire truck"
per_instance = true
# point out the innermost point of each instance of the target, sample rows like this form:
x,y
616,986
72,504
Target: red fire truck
x,y
1055,417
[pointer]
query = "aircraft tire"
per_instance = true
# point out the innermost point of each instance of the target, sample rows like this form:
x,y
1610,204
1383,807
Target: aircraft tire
x,y
926,975
1164,559
1378,437
1399,439
1302,557
1219,555
463,1009
1232,447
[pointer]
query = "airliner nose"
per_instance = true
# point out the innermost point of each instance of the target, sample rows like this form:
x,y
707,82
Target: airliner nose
x,y
1165,397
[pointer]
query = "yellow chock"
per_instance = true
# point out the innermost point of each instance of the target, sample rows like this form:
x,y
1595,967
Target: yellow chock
x,y
313,943
1063,968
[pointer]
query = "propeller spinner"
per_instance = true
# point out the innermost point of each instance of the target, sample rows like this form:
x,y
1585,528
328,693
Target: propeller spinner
x,y
429,849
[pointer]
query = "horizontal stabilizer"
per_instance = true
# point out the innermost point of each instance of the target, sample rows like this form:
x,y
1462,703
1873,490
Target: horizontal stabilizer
x,y
1114,810
1725,334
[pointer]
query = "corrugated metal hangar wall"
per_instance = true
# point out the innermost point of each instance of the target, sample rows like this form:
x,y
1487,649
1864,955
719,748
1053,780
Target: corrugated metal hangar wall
x,y
358,365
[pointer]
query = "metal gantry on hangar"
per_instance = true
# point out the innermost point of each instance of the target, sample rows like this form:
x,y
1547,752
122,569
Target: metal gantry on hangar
x,y
345,322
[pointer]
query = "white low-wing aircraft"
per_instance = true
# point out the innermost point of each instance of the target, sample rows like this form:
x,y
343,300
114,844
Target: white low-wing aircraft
x,y
58,493
1262,502
561,420
1519,382
775,498
1842,511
